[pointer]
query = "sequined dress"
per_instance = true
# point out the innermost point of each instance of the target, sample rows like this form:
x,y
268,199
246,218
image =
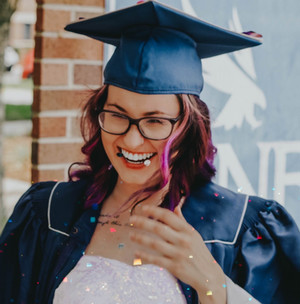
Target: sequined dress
x,y
97,280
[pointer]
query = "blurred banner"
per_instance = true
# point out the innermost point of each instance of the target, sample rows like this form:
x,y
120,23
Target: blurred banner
x,y
253,96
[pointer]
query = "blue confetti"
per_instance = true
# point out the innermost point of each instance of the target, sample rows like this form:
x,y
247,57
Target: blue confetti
x,y
89,265
93,219
10,220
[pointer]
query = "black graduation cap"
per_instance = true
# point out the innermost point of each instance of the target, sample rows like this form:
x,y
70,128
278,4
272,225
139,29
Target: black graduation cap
x,y
158,48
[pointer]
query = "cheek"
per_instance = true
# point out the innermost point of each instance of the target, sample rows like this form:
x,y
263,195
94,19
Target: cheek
x,y
160,146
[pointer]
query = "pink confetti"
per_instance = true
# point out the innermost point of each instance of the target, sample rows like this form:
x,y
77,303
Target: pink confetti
x,y
216,194
65,280
112,229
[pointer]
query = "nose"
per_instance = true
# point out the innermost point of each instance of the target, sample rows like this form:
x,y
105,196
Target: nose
x,y
133,138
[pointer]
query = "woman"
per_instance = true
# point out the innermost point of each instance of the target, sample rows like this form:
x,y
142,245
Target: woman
x,y
143,212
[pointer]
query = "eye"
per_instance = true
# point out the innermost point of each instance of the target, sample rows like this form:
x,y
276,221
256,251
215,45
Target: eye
x,y
155,121
117,115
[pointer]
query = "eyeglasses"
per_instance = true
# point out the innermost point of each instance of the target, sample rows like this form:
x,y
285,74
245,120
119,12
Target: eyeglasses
x,y
155,128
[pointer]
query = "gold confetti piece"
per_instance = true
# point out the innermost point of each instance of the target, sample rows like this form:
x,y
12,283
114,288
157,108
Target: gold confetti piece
x,y
190,257
137,262
209,293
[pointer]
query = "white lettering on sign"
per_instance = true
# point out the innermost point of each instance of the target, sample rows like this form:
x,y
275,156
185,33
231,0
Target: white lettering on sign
x,y
230,164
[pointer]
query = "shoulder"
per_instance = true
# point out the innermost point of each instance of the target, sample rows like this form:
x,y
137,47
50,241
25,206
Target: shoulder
x,y
223,216
51,204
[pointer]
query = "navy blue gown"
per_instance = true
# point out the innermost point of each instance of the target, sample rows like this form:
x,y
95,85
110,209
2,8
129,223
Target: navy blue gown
x,y
255,241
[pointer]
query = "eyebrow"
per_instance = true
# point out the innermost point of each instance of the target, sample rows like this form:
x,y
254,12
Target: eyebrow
x,y
144,114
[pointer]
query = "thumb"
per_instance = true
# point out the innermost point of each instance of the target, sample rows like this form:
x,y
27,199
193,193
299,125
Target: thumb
x,y
178,212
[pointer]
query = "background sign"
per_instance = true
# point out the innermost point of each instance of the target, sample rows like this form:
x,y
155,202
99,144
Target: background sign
x,y
253,96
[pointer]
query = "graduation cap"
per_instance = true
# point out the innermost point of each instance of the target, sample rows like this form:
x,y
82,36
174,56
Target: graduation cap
x,y
158,48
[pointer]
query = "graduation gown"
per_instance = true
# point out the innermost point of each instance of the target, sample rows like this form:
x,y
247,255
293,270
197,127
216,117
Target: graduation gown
x,y
255,241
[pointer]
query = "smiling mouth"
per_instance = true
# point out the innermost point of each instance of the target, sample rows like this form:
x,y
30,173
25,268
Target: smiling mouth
x,y
136,158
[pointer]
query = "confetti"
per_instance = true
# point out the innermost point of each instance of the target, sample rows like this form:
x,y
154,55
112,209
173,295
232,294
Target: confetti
x,y
121,245
92,219
224,285
259,237
10,220
65,280
137,262
112,229
250,299
89,265
209,293
191,257
87,289
216,194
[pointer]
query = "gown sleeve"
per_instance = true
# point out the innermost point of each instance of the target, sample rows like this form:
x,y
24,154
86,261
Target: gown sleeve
x,y
268,261
21,244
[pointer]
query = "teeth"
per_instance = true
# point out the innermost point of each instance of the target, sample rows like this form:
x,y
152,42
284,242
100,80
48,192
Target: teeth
x,y
136,156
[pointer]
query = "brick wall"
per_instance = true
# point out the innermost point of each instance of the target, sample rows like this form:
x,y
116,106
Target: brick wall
x,y
66,67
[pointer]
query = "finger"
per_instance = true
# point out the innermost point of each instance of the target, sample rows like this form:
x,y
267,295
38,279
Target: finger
x,y
165,216
160,261
157,228
158,245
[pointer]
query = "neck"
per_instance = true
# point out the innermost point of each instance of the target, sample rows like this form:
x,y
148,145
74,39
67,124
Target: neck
x,y
123,191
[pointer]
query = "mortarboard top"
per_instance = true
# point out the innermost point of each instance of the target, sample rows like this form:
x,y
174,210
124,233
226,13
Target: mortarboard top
x,y
158,48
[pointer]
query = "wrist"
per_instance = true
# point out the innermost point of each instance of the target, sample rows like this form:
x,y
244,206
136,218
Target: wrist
x,y
213,290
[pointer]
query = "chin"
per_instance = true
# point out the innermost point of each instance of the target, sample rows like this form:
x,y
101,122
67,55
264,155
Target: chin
x,y
135,179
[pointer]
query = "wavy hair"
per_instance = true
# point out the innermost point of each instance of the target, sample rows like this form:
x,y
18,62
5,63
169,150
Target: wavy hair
x,y
187,156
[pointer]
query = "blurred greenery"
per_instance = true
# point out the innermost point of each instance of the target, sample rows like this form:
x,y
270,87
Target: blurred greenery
x,y
23,84
17,112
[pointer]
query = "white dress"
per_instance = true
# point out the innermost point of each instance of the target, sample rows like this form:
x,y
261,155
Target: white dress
x,y
97,280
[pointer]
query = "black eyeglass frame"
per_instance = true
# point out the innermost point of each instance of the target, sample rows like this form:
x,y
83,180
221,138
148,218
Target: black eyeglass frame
x,y
136,122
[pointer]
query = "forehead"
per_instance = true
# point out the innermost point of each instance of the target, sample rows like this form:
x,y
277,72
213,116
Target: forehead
x,y
135,103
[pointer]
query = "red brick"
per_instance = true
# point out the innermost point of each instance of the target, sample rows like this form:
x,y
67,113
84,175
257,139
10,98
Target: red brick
x,y
48,47
52,20
59,100
99,3
46,175
56,153
48,127
87,74
50,74
85,15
